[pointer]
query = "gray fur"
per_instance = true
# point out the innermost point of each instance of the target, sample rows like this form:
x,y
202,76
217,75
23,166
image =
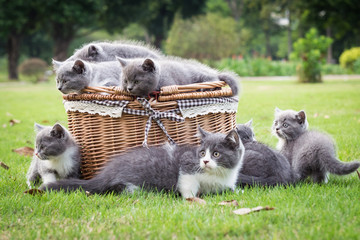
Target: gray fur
x,y
311,153
56,155
160,168
143,76
73,76
261,165
107,51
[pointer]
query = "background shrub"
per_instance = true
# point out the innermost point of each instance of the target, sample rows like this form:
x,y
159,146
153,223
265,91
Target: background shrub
x,y
34,68
349,57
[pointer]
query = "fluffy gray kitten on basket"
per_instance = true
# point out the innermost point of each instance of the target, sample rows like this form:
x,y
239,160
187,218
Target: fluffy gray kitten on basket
x,y
74,76
311,153
107,51
143,76
56,155
261,165
189,170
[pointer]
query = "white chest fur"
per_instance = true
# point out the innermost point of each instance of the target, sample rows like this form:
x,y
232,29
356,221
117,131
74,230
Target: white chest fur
x,y
64,163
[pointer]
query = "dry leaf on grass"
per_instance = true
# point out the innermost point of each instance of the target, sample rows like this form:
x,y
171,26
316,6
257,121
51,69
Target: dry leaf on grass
x,y
34,192
196,200
45,121
8,114
4,125
26,151
14,121
229,203
3,165
244,211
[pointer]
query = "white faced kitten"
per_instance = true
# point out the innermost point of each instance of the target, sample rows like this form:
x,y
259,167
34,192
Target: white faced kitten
x,y
73,76
189,170
107,51
56,155
311,153
144,75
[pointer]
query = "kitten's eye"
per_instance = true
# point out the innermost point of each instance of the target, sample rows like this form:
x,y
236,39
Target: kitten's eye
x,y
136,81
285,125
202,153
216,154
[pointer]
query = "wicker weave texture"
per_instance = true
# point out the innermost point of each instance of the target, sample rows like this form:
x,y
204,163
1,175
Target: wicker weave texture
x,y
101,137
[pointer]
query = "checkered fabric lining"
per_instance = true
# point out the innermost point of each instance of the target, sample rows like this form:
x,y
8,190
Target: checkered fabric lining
x,y
157,115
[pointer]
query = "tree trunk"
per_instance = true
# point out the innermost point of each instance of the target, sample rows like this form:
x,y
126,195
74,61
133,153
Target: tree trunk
x,y
329,57
158,40
13,51
61,49
289,34
62,36
267,43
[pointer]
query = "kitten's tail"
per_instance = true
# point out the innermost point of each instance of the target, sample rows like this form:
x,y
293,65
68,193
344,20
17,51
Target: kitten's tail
x,y
335,166
231,79
95,185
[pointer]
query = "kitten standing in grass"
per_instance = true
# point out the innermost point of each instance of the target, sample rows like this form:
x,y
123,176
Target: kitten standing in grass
x,y
74,76
311,153
143,76
262,165
107,51
56,155
189,170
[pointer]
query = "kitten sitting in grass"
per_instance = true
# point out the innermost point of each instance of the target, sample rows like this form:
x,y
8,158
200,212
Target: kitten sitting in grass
x,y
107,51
143,76
311,153
190,170
74,76
261,165
56,155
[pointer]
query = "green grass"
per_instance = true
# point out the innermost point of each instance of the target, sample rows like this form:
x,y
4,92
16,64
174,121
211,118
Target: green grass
x,y
307,211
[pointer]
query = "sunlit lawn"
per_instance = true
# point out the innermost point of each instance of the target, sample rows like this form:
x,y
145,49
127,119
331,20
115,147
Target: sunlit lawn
x,y
307,211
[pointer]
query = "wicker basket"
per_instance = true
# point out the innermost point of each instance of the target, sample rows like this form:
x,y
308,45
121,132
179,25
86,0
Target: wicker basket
x,y
104,133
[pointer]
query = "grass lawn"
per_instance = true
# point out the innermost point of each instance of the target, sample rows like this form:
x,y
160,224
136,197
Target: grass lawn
x,y
307,211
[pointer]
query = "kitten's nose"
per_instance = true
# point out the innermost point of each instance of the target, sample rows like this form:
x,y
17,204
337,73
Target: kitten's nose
x,y
59,88
129,89
205,162
277,129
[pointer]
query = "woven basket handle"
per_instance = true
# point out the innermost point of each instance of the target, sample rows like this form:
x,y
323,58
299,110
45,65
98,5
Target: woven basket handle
x,y
175,89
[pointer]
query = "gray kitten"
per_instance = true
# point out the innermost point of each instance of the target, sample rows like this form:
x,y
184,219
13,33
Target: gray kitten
x,y
311,153
107,51
56,155
261,165
143,76
189,170
73,76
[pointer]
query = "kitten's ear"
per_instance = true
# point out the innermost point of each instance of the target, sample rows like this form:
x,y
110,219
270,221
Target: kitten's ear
x,y
57,131
38,127
233,139
93,50
249,123
79,67
56,64
301,117
202,133
122,61
148,65
277,110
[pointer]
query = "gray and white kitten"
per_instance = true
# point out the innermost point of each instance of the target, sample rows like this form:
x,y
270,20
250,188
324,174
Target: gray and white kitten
x,y
107,51
311,153
143,76
74,76
188,170
262,165
56,155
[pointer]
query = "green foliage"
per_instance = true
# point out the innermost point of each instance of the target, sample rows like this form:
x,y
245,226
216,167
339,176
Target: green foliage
x,y
310,51
348,57
205,37
35,68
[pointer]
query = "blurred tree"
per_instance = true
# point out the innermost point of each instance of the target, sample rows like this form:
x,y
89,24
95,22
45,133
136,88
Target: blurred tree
x,y
18,18
206,37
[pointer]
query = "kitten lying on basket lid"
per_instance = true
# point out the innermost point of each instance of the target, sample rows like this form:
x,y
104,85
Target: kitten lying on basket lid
x,y
311,153
56,155
142,76
74,76
189,170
